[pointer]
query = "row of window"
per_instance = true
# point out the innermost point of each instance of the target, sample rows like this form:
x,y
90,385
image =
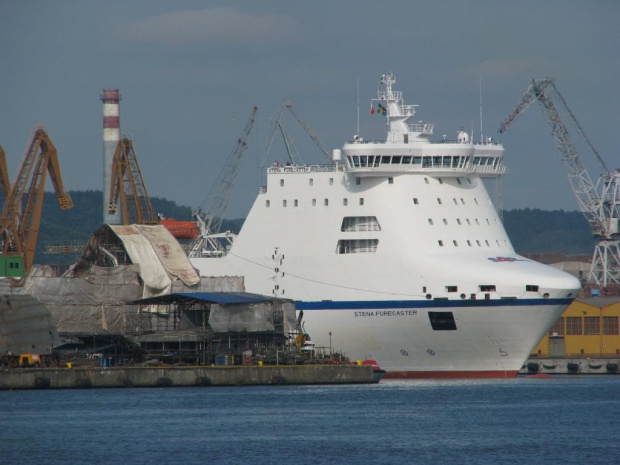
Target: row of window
x,y
470,243
358,181
458,221
285,203
448,161
588,325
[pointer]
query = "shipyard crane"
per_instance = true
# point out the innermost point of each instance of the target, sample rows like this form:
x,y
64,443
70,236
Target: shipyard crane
x,y
219,197
5,183
20,222
599,203
127,186
290,147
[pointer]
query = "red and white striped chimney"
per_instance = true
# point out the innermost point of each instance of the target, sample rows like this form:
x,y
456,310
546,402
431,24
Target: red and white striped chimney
x,y
111,136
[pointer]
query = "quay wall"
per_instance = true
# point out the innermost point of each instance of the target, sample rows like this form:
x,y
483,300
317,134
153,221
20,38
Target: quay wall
x,y
101,377
571,366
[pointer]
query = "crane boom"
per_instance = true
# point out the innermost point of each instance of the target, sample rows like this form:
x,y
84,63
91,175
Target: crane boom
x,y
293,156
602,210
584,189
220,193
5,183
19,228
127,186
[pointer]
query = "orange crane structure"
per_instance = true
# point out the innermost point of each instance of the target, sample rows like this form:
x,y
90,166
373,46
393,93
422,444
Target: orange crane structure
x,y
20,220
127,187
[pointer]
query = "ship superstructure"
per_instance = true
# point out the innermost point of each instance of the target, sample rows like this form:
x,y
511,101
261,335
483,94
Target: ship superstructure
x,y
396,253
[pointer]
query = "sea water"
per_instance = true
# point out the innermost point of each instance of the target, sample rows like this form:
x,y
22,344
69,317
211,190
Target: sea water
x,y
559,420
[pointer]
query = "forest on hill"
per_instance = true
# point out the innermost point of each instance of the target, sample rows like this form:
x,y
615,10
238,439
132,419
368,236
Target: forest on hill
x,y
530,230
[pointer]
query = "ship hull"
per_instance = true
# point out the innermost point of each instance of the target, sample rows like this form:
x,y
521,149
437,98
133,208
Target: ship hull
x,y
419,339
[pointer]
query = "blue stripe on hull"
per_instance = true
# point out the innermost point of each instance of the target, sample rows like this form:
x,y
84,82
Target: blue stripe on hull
x,y
384,304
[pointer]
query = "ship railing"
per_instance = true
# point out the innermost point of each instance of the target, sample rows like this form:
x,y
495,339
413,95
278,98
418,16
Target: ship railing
x,y
303,168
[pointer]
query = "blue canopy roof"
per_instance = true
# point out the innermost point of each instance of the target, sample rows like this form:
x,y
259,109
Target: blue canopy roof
x,y
223,298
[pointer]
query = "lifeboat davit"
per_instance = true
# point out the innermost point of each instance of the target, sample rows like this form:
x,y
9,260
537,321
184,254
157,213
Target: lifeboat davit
x,y
180,229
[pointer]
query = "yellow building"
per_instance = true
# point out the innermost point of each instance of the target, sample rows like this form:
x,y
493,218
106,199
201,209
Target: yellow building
x,y
588,328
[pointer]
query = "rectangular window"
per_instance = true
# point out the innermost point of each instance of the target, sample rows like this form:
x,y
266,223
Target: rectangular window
x,y
391,180
296,202
487,287
331,181
558,328
358,181
430,221
445,221
456,244
573,325
591,325
438,200
452,289
347,246
361,200
360,223
281,182
311,181
442,321
345,202
440,242
531,288
326,202
267,203
415,200
314,202
610,325
284,203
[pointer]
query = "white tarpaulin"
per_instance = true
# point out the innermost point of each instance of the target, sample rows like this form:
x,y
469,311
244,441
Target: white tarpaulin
x,y
159,255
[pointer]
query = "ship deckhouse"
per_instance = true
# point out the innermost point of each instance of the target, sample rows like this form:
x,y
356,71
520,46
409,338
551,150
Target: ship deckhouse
x,y
408,149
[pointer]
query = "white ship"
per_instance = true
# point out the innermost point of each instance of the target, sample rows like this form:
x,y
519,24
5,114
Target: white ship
x,y
395,252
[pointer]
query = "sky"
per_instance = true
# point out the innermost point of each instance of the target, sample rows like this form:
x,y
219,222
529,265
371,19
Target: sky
x,y
190,72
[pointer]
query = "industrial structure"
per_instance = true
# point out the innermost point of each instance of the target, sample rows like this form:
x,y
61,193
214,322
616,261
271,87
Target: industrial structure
x,y
599,203
111,136
210,241
127,187
20,220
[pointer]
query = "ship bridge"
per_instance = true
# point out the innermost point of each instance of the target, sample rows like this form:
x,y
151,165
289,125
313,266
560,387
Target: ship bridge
x,y
445,158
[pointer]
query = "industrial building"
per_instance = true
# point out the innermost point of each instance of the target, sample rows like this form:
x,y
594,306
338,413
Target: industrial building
x,y
588,328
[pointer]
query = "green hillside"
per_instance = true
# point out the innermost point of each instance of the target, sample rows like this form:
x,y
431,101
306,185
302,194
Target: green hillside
x,y
530,230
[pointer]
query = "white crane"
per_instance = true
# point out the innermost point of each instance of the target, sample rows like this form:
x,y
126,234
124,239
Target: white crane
x,y
601,203
293,154
209,240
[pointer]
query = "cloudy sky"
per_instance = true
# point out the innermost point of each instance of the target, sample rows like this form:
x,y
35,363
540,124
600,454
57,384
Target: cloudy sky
x,y
190,72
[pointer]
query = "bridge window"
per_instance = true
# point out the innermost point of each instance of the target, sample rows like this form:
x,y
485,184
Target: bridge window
x,y
416,160
406,160
386,160
396,160
347,246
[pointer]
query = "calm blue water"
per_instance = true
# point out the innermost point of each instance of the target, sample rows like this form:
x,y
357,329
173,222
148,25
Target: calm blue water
x,y
560,420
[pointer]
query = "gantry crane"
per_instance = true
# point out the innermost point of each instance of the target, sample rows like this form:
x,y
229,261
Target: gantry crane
x,y
601,203
208,242
127,186
19,222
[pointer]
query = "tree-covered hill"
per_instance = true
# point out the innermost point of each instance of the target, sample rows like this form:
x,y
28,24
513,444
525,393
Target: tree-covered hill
x,y
530,230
